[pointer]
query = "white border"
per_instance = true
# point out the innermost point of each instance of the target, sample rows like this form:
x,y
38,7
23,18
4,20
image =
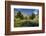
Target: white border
x,y
26,28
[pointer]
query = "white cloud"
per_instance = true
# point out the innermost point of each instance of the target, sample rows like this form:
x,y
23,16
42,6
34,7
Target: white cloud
x,y
35,12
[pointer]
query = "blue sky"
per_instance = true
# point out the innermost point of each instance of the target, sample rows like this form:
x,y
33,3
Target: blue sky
x,y
26,11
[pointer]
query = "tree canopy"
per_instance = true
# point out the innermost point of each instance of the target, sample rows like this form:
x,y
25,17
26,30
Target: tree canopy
x,y
19,15
32,16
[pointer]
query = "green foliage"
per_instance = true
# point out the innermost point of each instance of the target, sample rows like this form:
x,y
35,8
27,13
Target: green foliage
x,y
19,15
18,22
26,17
33,16
29,17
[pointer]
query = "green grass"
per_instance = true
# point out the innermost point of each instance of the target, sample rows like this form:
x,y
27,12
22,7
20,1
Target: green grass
x,y
24,23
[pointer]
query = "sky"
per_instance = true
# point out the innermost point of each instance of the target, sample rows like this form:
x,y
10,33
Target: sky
x,y
26,12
